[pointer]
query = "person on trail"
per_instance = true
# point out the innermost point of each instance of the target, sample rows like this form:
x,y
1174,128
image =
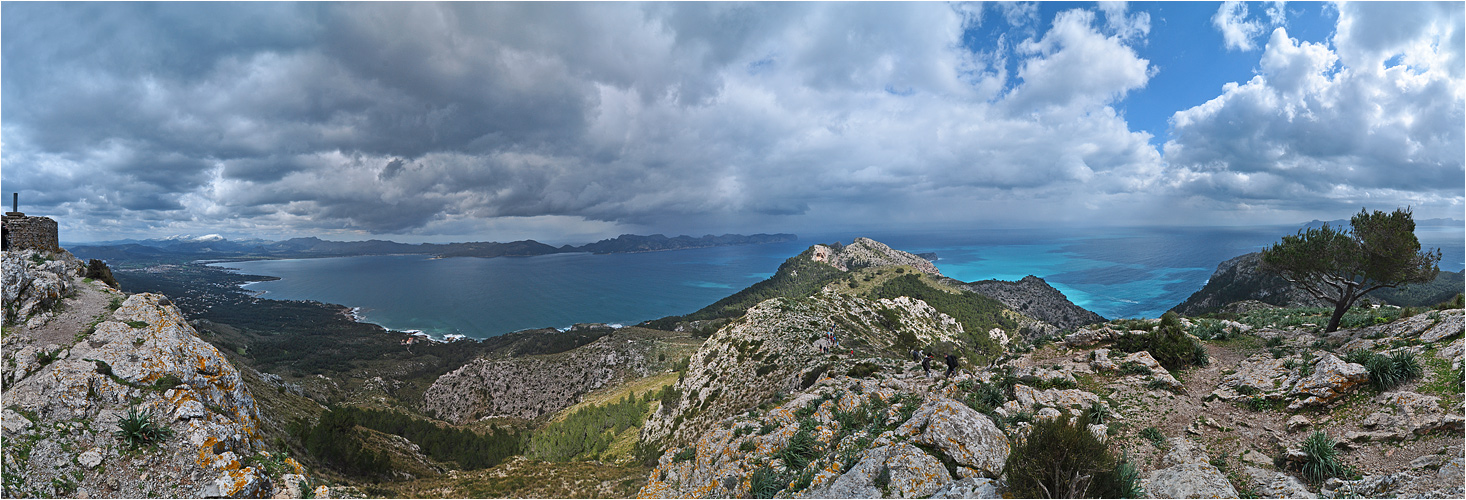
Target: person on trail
x,y
926,365
951,364
914,357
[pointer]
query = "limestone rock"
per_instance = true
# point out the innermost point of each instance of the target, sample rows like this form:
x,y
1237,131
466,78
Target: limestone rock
x,y
1090,335
865,252
142,344
1331,379
1451,324
1157,371
1270,484
1259,373
971,487
90,458
968,437
913,474
1298,422
1189,480
1184,451
1027,399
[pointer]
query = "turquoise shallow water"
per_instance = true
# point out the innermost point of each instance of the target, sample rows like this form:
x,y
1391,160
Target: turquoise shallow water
x,y
1138,272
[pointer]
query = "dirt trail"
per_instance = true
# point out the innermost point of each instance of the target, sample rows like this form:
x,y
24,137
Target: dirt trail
x,y
87,305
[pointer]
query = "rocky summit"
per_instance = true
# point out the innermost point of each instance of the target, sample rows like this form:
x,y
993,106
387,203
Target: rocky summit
x,y
68,399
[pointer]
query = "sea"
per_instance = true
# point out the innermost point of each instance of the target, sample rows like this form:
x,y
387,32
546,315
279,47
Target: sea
x,y
1116,272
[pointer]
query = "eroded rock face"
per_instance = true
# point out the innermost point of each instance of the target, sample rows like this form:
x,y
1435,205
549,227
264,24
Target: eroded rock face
x,y
144,357
1331,379
530,386
34,281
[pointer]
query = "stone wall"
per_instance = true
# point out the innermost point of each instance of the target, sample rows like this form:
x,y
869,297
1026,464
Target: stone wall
x,y
37,233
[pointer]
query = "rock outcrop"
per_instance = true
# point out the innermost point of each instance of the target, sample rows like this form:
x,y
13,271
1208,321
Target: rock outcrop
x,y
865,252
143,358
865,438
35,281
776,348
1035,298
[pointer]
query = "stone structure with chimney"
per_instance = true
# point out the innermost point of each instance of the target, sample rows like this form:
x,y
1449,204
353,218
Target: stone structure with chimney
x,y
22,232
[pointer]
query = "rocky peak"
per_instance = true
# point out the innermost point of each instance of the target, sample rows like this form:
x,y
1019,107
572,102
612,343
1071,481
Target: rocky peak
x,y
64,403
865,252
780,346
1035,298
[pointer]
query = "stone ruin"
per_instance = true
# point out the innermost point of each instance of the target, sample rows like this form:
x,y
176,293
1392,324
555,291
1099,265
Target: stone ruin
x,y
21,232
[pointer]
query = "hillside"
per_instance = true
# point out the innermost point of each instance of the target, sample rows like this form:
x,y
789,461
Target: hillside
x,y
1242,278
1034,297
89,363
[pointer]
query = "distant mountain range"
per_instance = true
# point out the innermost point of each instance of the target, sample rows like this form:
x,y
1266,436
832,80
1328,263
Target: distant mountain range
x,y
216,247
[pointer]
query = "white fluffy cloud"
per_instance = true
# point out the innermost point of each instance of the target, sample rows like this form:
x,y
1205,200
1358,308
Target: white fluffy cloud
x,y
1376,121
1239,30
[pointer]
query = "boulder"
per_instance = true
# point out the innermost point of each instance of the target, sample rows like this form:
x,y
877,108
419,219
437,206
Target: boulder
x,y
912,473
1189,480
971,487
968,437
1259,373
1156,370
1271,484
1331,379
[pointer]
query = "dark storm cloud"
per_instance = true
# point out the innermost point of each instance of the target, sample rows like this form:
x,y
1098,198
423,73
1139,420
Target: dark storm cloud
x,y
392,118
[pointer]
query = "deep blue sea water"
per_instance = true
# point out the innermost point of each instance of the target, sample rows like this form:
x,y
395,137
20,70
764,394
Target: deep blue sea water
x,y
1118,273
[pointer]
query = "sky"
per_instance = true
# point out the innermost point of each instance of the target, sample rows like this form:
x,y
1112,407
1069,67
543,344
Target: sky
x,y
570,122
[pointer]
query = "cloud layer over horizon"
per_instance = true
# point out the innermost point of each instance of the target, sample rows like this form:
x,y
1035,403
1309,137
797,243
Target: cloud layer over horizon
x,y
513,120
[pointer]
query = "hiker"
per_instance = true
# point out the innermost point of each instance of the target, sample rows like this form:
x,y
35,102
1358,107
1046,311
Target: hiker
x,y
926,365
914,356
951,364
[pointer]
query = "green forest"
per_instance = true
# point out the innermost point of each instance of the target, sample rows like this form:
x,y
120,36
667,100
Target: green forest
x,y
588,431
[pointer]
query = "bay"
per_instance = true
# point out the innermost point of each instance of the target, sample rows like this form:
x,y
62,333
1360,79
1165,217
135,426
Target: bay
x,y
1116,272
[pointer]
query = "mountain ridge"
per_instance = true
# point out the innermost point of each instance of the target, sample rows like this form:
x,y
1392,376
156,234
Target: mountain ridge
x,y
213,247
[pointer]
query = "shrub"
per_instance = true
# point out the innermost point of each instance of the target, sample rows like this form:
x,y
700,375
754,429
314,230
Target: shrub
x,y
747,446
863,369
1064,460
1321,460
1167,344
137,324
98,270
137,429
166,382
1208,329
685,454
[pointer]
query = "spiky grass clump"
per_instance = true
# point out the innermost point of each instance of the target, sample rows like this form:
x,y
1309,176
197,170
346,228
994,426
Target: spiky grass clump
x,y
1387,372
1098,413
766,482
137,429
1154,435
801,448
1322,460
